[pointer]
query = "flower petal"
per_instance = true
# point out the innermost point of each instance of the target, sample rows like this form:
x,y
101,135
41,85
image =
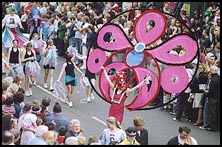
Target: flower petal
x,y
120,39
145,95
97,58
163,55
140,32
174,79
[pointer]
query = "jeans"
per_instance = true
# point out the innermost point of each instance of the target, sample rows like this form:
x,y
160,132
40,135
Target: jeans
x,y
205,114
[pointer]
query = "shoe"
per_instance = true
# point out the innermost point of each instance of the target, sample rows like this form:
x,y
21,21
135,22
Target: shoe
x,y
27,93
70,104
211,129
66,101
198,123
34,83
189,120
173,113
30,91
45,85
202,128
92,96
175,119
88,99
51,88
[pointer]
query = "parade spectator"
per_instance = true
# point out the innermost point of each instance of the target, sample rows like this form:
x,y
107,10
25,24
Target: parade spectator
x,y
70,79
130,137
198,90
8,107
4,89
213,100
51,137
46,102
183,98
71,141
16,136
206,109
45,27
113,134
7,137
14,87
92,140
57,117
27,124
40,136
61,36
141,132
183,138
61,135
51,34
18,103
74,129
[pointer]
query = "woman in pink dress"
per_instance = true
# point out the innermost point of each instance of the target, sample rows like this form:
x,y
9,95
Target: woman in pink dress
x,y
120,93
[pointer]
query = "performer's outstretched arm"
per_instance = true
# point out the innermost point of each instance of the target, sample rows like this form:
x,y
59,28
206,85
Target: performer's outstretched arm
x,y
130,90
107,77
62,71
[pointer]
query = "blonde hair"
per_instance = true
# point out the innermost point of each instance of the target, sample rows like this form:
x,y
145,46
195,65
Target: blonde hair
x,y
81,140
51,137
113,120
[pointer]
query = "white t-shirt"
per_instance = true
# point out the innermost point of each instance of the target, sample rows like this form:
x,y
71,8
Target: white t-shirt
x,y
181,141
11,21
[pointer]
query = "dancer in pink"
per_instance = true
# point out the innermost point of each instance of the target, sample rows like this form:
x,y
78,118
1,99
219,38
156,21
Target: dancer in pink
x,y
120,93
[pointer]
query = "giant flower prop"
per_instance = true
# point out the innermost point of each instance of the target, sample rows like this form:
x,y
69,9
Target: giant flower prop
x,y
173,78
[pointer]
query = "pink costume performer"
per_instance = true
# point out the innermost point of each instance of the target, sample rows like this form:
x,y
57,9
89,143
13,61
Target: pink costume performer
x,y
117,106
11,32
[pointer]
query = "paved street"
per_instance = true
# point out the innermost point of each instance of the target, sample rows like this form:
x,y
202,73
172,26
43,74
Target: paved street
x,y
159,123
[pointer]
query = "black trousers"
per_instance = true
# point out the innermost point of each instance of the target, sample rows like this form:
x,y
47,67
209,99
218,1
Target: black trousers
x,y
213,112
181,102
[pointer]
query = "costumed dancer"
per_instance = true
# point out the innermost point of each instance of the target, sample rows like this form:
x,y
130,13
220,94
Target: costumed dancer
x,y
11,32
49,62
37,45
70,80
14,58
35,24
120,93
88,75
31,68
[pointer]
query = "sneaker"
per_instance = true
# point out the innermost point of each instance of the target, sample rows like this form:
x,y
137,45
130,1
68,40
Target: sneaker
x,y
70,104
45,85
34,83
173,113
27,93
88,99
66,101
202,128
175,119
30,91
51,88
92,96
